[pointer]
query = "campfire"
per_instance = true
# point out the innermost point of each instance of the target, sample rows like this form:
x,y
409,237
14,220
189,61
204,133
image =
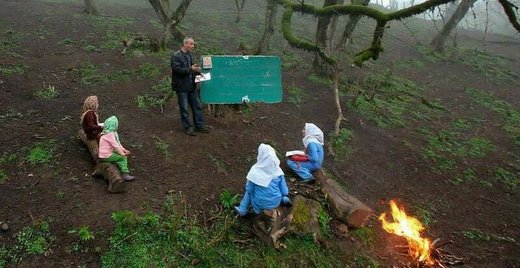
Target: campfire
x,y
423,251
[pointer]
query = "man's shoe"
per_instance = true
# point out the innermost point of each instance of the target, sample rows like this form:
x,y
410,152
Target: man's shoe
x,y
202,129
128,177
190,132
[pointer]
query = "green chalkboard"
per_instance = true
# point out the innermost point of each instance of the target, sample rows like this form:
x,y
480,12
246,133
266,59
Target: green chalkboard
x,y
238,79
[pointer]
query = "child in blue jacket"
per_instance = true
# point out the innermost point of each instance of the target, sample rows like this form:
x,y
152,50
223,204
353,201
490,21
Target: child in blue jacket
x,y
266,187
313,141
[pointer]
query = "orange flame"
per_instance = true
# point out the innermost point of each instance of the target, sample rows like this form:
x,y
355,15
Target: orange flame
x,y
410,228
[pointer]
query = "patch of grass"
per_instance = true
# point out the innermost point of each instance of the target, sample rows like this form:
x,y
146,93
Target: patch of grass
x,y
147,70
508,178
60,195
34,240
163,93
493,67
468,175
324,220
42,152
9,43
10,115
425,215
162,146
365,235
67,42
110,22
479,236
90,75
227,199
340,143
296,96
317,79
450,145
3,176
14,69
46,93
391,101
510,114
412,63
113,39
6,157
122,75
4,256
365,261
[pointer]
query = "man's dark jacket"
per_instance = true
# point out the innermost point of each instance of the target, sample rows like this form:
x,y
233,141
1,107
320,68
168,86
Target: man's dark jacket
x,y
183,78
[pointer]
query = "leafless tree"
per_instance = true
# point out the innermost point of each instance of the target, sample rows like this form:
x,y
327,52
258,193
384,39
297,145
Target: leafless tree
x,y
90,7
170,18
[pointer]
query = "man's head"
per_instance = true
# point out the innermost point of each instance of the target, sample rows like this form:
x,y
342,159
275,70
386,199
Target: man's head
x,y
188,44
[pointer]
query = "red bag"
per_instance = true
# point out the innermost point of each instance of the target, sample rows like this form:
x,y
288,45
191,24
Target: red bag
x,y
299,158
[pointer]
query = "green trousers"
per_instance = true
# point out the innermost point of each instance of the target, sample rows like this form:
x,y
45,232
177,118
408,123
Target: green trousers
x,y
119,160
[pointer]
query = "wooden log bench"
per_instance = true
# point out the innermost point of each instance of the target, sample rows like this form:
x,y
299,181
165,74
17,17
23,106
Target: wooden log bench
x,y
109,172
346,208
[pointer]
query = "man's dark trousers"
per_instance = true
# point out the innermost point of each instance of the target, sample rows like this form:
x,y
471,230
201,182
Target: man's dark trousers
x,y
190,99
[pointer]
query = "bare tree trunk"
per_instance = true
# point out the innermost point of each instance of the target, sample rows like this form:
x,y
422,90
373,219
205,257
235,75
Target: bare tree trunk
x,y
270,16
440,40
351,25
170,19
322,29
90,7
240,7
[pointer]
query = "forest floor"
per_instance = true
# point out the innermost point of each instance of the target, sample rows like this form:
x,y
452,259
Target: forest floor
x,y
440,133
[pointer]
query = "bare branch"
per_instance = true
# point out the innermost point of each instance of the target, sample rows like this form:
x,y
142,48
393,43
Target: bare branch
x,y
511,14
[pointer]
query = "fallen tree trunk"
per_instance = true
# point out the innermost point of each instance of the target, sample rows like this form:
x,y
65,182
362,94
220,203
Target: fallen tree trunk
x,y
345,207
109,172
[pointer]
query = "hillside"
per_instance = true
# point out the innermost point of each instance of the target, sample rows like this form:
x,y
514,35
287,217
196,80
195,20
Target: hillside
x,y
438,132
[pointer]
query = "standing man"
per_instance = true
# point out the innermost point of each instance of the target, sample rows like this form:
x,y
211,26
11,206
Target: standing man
x,y
183,82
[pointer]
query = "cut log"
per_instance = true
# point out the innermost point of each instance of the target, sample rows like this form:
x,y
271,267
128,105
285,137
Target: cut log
x,y
109,172
271,225
300,219
345,207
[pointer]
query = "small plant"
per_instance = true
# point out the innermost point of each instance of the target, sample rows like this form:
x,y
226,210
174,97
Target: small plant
x,y
324,221
507,177
227,199
340,143
35,240
42,152
162,146
47,93
296,96
83,232
60,195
